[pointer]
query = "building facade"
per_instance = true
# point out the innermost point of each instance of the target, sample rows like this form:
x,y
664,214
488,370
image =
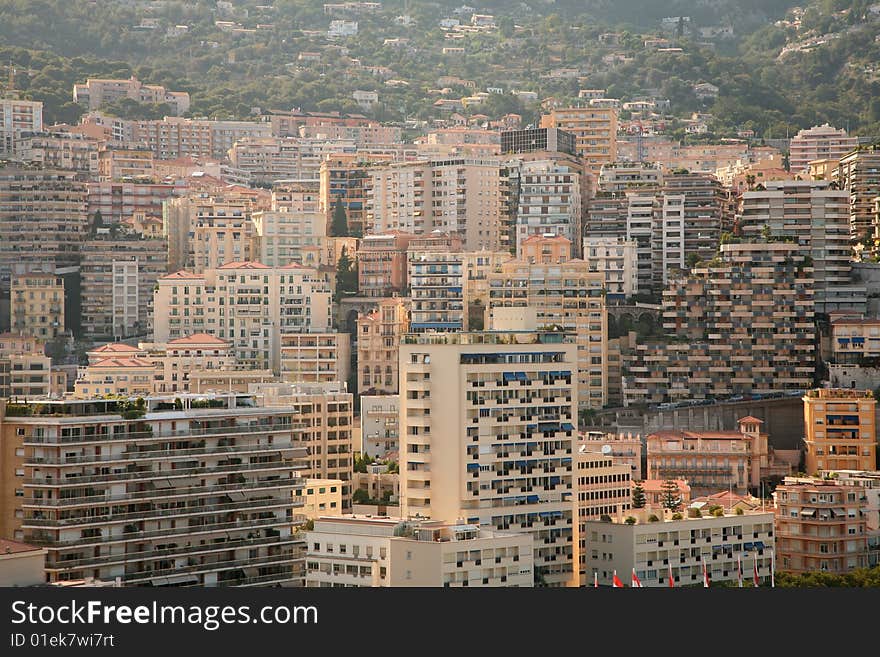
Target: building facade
x,y
839,430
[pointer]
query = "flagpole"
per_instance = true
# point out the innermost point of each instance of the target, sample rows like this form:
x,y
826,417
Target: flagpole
x,y
772,569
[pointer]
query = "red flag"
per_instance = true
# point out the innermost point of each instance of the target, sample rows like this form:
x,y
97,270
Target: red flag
x,y
636,582
739,571
705,576
757,581
615,581
671,580
596,580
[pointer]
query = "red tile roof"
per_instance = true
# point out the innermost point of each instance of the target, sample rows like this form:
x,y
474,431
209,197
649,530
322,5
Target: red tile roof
x,y
199,338
116,348
15,547
749,419
244,265
123,362
182,274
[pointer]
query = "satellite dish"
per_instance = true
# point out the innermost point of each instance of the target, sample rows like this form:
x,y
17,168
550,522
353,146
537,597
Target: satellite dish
x,y
606,449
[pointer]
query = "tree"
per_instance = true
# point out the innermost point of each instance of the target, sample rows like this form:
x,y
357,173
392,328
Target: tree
x,y
339,222
360,496
638,501
97,222
346,275
670,495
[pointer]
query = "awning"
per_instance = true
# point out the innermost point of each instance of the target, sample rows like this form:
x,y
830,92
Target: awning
x,y
235,496
809,514
162,483
759,545
174,579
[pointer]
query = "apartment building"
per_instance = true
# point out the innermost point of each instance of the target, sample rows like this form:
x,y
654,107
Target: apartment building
x,y
267,159
116,163
21,564
821,142
150,494
345,180
119,201
568,297
326,414
690,215
315,357
36,305
545,250
813,215
17,118
604,487
380,425
367,551
118,273
456,195
174,137
625,448
869,483
61,150
497,451
684,547
321,497
855,340
294,230
247,303
130,377
858,173
820,525
740,325
42,217
615,259
621,177
531,140
839,430
97,92
550,199
222,231
710,461
25,370
436,279
378,338
382,264
594,129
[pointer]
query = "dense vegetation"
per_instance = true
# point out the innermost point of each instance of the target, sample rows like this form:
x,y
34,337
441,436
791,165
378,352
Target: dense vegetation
x,y
234,74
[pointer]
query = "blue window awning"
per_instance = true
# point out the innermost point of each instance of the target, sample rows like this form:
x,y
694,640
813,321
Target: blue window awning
x,y
567,426
473,466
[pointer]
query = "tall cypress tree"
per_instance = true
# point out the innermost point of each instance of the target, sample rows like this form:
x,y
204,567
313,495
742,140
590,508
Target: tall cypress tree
x,y
339,222
638,501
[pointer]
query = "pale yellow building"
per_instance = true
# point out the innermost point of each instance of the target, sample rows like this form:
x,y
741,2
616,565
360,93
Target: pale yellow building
x,y
487,430
321,497
25,370
595,131
131,377
37,305
121,163
316,357
839,430
247,304
21,564
568,297
294,230
380,551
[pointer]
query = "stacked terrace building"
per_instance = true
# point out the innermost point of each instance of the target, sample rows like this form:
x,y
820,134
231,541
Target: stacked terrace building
x,y
815,217
858,172
96,92
18,117
739,325
155,494
487,433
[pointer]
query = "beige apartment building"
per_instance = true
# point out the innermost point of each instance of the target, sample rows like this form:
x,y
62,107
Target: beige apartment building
x,y
236,380
321,497
568,297
456,195
711,461
21,564
248,304
683,547
222,232
315,357
858,173
604,487
382,264
294,230
130,377
25,371
118,274
487,430
37,305
615,259
152,495
821,142
18,116
378,338
546,250
115,163
97,92
269,159
435,273
42,217
820,525
380,551
380,425
839,430
346,180
595,131
326,417
623,447
61,150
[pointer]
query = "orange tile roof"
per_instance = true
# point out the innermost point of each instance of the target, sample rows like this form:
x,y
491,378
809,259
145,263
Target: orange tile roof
x,y
116,348
750,419
123,362
182,274
199,338
16,547
715,435
244,265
